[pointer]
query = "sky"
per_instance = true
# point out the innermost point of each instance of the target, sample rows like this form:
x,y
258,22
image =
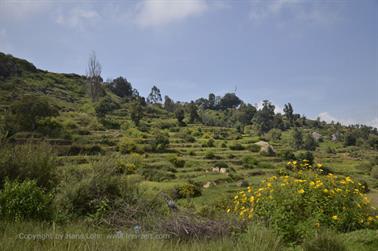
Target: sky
x,y
321,56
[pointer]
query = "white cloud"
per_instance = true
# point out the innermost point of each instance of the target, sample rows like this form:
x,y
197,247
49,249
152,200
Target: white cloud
x,y
153,13
18,10
327,117
77,18
321,11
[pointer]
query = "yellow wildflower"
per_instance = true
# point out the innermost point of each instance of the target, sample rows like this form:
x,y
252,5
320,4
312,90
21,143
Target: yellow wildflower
x,y
335,217
301,191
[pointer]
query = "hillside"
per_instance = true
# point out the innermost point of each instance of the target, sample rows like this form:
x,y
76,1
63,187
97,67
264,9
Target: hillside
x,y
198,154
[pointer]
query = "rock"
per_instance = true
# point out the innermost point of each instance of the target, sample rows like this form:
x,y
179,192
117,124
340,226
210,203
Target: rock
x,y
266,148
316,136
208,184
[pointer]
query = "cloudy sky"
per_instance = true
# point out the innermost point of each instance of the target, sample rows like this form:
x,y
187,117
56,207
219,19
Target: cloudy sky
x,y
322,56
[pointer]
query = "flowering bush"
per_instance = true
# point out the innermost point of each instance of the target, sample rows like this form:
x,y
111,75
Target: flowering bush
x,y
297,206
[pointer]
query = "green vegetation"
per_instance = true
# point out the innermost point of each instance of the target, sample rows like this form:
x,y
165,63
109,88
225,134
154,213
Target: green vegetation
x,y
79,155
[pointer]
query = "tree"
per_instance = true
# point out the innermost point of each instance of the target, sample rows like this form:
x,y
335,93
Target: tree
x,y
136,112
211,103
289,113
230,100
264,117
154,97
121,87
105,106
246,113
25,114
94,77
169,104
193,113
309,143
180,115
297,138
350,139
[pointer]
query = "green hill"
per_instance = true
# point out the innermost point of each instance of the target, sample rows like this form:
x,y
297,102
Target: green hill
x,y
114,159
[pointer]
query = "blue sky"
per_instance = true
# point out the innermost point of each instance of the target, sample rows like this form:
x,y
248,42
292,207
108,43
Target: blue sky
x,y
322,56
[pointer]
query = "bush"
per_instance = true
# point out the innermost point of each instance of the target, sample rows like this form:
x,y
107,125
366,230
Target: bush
x,y
249,162
160,141
307,156
24,201
254,148
374,172
221,164
154,174
29,162
297,206
210,155
187,191
288,155
127,145
237,147
101,185
324,241
209,143
179,163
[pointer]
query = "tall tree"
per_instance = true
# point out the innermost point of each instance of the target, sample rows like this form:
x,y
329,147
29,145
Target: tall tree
x,y
136,112
230,100
180,115
155,96
289,113
169,104
193,113
94,76
297,138
263,119
121,87
211,103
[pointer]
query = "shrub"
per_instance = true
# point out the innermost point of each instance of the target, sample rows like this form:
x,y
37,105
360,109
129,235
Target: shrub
x,y
297,206
160,141
24,201
102,183
191,227
127,145
221,164
105,106
29,162
187,191
305,155
324,241
237,147
179,163
249,162
374,172
288,155
154,174
210,143
210,155
254,148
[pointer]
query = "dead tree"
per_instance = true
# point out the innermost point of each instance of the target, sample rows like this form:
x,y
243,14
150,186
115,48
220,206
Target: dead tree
x,y
94,76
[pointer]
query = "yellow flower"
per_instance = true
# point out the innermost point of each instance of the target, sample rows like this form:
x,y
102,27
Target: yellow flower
x,y
335,217
301,191
312,183
325,190
317,224
251,199
228,210
370,219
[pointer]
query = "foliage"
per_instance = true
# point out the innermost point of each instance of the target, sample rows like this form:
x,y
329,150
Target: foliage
x,y
180,115
325,241
136,112
179,163
237,147
154,97
297,138
160,141
24,201
297,206
264,117
309,143
25,113
187,191
121,87
105,106
29,162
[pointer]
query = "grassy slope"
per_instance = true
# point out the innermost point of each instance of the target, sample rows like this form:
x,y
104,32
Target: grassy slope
x,y
68,91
